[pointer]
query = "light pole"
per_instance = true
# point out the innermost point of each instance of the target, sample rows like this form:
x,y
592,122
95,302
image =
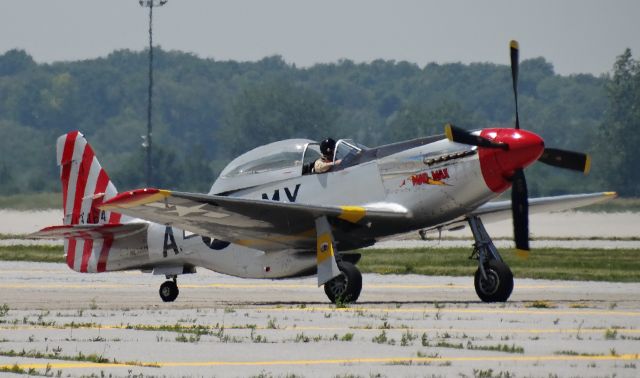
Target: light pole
x,y
146,144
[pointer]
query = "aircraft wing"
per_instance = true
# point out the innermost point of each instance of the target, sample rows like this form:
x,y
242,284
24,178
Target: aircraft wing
x,y
261,224
501,210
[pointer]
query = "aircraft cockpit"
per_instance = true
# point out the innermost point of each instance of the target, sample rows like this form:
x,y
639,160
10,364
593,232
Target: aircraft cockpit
x,y
279,161
346,151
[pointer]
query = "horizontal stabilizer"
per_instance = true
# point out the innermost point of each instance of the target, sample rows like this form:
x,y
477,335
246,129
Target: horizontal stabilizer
x,y
89,231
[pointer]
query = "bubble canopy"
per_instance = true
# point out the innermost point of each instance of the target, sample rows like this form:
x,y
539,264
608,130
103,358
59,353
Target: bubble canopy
x,y
271,162
273,156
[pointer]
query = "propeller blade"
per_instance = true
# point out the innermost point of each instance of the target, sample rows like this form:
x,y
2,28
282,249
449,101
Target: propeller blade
x,y
520,213
458,135
514,47
576,161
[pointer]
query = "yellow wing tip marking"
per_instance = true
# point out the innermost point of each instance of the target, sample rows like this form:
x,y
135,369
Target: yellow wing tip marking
x,y
587,165
522,253
611,194
514,44
448,132
352,213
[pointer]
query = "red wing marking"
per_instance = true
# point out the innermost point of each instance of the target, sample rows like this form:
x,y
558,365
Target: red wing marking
x,y
135,198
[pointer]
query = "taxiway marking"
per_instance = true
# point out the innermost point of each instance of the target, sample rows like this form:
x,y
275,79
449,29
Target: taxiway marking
x,y
362,360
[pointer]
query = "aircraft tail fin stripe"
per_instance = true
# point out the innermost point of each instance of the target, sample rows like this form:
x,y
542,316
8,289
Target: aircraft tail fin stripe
x,y
86,254
77,261
65,152
81,183
85,184
70,248
113,217
88,246
104,253
101,186
74,169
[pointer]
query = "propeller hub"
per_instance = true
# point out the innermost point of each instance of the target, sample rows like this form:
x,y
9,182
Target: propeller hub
x,y
499,165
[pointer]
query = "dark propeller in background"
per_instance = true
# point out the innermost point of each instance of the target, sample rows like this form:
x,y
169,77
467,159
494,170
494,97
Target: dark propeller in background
x,y
552,156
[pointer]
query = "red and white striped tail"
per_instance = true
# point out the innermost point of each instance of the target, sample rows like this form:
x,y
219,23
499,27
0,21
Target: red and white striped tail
x,y
85,185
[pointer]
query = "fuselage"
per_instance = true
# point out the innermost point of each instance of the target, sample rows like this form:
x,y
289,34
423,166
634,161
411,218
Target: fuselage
x,y
433,179
435,182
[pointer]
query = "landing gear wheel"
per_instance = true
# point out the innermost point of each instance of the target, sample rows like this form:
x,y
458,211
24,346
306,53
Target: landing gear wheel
x,y
169,291
346,287
498,285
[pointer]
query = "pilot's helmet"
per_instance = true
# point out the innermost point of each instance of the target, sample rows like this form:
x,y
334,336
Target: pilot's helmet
x,y
327,146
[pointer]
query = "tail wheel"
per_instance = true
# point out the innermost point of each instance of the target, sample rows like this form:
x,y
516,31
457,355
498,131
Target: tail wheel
x,y
498,284
346,287
169,291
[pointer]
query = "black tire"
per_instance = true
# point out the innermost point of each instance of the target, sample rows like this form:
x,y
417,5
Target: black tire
x,y
346,287
498,285
169,291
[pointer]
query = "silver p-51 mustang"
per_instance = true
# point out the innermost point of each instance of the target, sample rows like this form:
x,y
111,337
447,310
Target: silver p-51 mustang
x,y
270,216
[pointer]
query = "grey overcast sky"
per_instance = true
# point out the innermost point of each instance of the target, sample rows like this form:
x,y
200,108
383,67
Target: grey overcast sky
x,y
576,36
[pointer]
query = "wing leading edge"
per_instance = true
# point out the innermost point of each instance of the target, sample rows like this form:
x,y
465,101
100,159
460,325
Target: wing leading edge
x,y
261,224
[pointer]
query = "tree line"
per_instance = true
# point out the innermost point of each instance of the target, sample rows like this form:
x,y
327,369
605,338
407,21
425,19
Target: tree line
x,y
206,112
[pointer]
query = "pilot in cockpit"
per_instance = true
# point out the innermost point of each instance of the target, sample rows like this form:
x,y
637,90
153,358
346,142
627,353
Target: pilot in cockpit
x,y
325,163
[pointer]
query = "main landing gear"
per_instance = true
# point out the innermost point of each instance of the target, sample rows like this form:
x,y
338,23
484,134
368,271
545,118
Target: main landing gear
x,y
493,279
346,287
169,289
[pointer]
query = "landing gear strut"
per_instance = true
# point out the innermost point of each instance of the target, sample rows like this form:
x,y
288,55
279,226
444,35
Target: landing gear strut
x,y
346,287
169,289
493,279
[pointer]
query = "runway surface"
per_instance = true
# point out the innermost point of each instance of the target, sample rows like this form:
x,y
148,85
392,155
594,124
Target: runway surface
x,y
402,326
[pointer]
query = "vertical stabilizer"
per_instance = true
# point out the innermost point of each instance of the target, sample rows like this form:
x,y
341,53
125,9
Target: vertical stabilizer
x,y
85,185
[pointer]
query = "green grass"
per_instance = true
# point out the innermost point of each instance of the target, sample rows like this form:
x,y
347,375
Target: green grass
x,y
621,265
33,201
617,265
12,236
40,253
99,359
497,348
16,369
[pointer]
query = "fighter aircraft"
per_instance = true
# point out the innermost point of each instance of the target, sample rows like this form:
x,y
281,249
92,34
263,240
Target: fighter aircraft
x,y
269,215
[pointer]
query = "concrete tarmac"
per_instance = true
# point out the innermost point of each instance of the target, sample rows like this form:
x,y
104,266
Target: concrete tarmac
x,y
403,326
